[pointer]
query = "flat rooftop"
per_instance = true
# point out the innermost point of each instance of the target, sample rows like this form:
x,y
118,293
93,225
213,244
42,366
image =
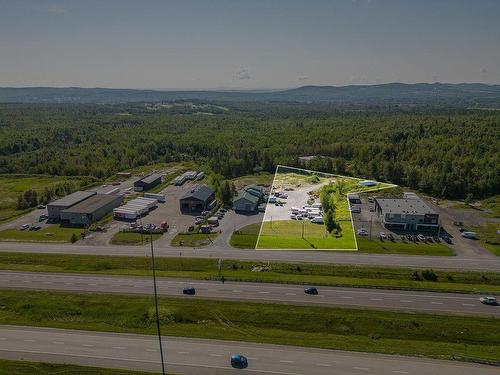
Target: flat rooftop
x,y
413,206
93,203
73,198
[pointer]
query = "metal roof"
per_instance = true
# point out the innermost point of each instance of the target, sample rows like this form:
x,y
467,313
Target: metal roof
x,y
151,178
201,192
413,206
73,198
92,204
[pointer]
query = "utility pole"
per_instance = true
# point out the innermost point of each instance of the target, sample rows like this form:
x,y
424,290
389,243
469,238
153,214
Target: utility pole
x,y
156,302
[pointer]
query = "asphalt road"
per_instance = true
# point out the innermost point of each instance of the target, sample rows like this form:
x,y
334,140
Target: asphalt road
x,y
201,356
348,257
263,292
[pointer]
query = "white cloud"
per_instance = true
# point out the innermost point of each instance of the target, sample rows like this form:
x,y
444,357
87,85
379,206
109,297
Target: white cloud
x,y
242,74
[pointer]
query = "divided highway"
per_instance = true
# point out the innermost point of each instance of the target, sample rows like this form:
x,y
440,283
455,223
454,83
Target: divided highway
x,y
263,292
483,263
201,356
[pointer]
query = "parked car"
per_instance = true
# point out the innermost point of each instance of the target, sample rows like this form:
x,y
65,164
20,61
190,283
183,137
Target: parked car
x,y
390,237
362,232
447,240
191,228
42,217
293,217
311,290
190,291
469,235
239,361
383,236
421,237
371,200
35,227
40,206
24,227
223,210
461,230
317,220
488,300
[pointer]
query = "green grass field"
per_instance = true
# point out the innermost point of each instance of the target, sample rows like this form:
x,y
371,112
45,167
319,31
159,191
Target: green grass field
x,y
246,237
8,367
52,233
443,336
13,185
287,234
207,269
132,238
489,236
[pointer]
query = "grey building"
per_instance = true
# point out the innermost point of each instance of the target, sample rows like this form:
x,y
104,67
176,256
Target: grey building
x,y
147,182
248,199
91,209
54,208
408,213
197,199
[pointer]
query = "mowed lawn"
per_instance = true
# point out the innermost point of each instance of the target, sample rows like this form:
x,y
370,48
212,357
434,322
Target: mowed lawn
x,y
53,233
287,234
13,185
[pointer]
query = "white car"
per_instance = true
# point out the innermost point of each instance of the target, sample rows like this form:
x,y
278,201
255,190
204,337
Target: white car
x,y
383,235
362,232
488,300
317,220
355,209
470,235
24,226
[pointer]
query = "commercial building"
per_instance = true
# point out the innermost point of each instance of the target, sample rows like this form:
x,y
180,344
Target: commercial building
x,y
54,208
248,199
147,182
409,213
198,199
91,209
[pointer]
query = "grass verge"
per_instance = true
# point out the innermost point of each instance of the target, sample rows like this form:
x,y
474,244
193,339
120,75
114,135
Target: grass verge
x,y
443,336
193,239
207,269
9,367
387,247
489,236
52,233
132,238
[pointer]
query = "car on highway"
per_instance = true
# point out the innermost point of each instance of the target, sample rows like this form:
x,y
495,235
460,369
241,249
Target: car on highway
x,y
239,361
311,290
488,300
190,291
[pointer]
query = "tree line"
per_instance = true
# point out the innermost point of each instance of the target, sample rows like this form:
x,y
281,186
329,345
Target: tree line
x,y
452,153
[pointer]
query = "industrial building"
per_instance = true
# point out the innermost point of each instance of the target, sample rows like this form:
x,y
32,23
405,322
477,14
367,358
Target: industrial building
x,y
91,209
147,182
248,199
135,208
54,208
409,213
187,176
198,199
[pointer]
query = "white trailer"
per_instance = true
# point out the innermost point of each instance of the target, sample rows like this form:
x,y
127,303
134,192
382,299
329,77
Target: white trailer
x,y
159,197
120,213
214,220
113,191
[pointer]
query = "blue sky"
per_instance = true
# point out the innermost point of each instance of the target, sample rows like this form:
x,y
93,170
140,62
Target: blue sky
x,y
251,44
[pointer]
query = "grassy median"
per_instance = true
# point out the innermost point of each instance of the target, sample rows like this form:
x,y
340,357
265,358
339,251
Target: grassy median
x,y
207,269
8,367
443,336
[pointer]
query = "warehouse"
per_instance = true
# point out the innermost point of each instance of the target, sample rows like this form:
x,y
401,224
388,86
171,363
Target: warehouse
x,y
407,213
91,209
147,182
248,199
198,199
54,209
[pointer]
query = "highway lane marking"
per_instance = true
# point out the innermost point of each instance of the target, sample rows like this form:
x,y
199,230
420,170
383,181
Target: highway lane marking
x,y
58,342
361,368
437,303
400,372
88,345
285,361
118,347
290,294
181,352
376,299
215,355
263,292
145,361
323,364
468,304
405,300
29,340
346,297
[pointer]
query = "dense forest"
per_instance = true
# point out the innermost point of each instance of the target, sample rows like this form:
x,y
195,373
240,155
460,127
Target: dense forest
x,y
446,153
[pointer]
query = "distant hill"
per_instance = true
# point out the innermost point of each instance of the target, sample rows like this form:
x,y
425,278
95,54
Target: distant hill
x,y
463,95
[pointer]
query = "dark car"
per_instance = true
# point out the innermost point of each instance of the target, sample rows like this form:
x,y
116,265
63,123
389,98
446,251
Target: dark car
x,y
239,361
312,290
190,291
447,240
